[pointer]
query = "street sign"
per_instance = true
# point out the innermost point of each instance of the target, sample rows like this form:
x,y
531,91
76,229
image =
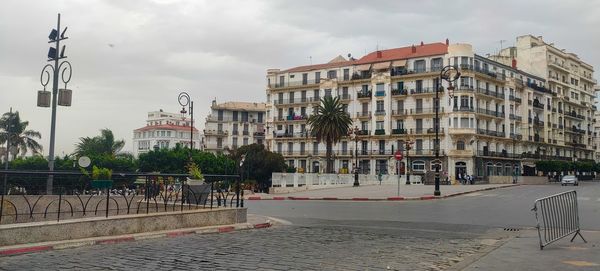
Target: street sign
x,y
398,155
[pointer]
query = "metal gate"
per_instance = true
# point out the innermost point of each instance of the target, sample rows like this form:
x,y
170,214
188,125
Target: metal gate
x,y
557,217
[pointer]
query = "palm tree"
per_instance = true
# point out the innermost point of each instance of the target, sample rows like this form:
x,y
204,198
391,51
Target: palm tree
x,y
330,124
21,139
103,144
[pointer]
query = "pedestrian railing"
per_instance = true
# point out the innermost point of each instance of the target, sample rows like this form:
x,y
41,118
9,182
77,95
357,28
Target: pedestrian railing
x,y
24,198
557,217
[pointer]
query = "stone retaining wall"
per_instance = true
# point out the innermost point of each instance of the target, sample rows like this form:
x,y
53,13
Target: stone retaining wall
x,y
23,233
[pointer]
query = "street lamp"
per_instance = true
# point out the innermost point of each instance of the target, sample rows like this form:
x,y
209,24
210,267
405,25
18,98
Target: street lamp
x,y
184,100
449,74
407,167
64,94
354,132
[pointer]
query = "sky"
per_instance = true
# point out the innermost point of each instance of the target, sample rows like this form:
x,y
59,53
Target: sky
x,y
135,56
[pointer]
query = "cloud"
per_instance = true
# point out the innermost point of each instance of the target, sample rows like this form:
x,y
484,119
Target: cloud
x,y
221,49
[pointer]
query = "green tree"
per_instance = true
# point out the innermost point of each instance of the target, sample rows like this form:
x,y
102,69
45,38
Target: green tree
x,y
330,124
21,139
259,164
104,144
176,160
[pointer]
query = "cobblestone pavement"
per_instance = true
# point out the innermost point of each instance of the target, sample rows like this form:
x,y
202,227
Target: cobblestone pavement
x,y
358,246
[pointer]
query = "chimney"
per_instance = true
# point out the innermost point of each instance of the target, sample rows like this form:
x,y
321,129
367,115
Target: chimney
x,y
379,55
421,43
447,41
514,63
414,49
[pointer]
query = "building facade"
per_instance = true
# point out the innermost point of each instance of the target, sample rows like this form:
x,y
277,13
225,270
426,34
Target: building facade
x,y
165,130
572,85
496,122
234,124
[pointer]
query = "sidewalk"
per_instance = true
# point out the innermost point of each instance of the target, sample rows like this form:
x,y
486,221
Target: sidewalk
x,y
523,253
379,192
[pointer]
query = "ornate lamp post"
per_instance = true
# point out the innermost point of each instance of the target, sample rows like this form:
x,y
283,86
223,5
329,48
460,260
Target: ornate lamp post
x,y
184,100
55,70
354,133
449,74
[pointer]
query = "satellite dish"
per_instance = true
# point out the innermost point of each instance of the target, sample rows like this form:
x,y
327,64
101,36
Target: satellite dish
x,y
84,161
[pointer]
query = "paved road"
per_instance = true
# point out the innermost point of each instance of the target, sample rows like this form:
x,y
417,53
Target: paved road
x,y
506,207
329,235
343,245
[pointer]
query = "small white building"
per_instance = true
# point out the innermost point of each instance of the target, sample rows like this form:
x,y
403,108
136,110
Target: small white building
x,y
165,130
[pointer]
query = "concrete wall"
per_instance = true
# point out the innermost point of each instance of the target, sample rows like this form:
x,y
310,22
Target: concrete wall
x,y
533,180
501,179
23,233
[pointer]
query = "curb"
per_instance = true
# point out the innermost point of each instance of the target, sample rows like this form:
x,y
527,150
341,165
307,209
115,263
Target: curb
x,y
425,197
58,245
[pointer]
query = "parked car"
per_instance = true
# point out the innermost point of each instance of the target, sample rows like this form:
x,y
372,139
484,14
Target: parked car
x,y
569,179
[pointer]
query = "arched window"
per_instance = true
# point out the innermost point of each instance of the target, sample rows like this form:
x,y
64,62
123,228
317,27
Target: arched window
x,y
418,166
460,145
507,169
435,163
489,169
498,169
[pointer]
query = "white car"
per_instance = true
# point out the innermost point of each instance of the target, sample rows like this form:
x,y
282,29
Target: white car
x,y
569,179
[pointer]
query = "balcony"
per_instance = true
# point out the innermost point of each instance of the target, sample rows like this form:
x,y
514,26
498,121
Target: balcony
x,y
559,65
399,92
515,117
293,84
500,154
538,105
302,100
490,132
422,110
216,132
380,113
422,131
366,114
364,132
365,94
539,88
514,98
536,122
399,131
494,94
463,109
361,76
345,97
234,132
423,90
465,88
380,132
490,112
399,112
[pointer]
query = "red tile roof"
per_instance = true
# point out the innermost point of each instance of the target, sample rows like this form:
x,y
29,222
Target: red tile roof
x,y
429,49
166,127
320,66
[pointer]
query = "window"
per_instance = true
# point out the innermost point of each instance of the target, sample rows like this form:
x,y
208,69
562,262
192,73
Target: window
x,y
420,66
379,125
332,74
305,78
235,115
346,74
460,145
418,166
380,107
317,77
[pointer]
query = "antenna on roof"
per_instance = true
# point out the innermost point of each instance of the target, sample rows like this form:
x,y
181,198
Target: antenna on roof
x,y
501,42
310,57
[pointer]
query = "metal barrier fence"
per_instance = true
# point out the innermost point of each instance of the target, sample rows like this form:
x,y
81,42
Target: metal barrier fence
x,y
557,217
24,197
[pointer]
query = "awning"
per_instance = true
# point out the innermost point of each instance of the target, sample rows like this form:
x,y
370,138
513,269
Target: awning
x,y
381,65
399,63
363,67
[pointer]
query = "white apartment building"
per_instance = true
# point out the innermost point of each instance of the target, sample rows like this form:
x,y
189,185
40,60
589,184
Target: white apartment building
x,y
498,122
165,130
234,124
572,85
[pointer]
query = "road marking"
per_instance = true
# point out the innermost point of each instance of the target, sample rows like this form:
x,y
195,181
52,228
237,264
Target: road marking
x,y
580,263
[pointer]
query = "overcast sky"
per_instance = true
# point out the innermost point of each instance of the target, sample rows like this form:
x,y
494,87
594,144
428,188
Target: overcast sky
x,y
134,56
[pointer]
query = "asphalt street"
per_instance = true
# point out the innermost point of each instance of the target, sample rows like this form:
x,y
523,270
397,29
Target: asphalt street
x,y
506,207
